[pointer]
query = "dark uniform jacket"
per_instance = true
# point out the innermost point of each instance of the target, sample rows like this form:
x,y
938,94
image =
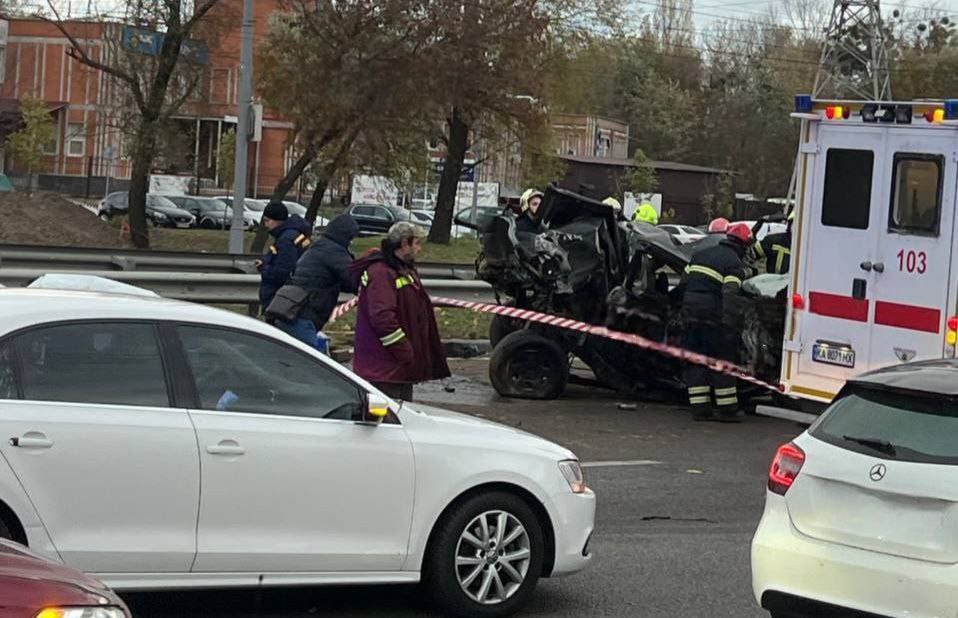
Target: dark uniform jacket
x,y
712,274
776,249
290,240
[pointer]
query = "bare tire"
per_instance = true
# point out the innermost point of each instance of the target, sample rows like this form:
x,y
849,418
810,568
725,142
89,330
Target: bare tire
x,y
527,365
485,557
207,224
104,217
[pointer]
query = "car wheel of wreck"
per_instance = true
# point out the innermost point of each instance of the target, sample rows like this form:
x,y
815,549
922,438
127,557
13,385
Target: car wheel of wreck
x,y
527,365
501,326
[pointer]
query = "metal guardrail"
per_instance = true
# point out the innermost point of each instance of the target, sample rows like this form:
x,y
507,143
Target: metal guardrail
x,y
74,259
224,288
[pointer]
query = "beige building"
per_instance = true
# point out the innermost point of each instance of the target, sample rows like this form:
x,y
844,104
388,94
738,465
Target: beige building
x,y
590,136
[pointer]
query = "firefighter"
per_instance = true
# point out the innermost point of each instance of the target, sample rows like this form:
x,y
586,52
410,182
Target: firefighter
x,y
529,217
646,214
776,249
713,281
719,226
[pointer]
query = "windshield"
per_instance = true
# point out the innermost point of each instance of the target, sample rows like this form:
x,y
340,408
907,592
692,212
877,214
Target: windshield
x,y
899,425
211,205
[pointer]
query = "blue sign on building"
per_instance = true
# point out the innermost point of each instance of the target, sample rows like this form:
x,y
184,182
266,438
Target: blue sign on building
x,y
149,43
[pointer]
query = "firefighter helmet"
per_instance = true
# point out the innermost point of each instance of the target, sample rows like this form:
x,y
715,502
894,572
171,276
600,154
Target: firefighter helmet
x,y
718,226
646,214
740,232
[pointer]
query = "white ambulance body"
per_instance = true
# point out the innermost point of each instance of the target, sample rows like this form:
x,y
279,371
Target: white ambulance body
x,y
873,270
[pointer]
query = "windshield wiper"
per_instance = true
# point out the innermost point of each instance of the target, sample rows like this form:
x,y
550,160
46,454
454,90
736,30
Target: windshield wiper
x,y
882,446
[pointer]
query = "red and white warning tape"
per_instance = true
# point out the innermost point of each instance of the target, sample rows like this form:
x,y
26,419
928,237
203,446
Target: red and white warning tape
x,y
715,364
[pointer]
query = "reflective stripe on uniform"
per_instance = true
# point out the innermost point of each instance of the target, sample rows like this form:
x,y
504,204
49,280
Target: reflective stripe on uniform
x,y
726,401
699,400
723,392
698,390
759,250
402,282
393,337
365,278
704,270
732,279
272,249
780,253
302,241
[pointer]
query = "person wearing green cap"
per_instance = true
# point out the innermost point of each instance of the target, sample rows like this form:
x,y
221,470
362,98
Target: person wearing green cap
x,y
645,213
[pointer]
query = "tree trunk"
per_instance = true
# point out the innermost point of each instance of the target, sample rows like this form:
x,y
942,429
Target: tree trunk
x,y
287,181
327,172
456,148
144,148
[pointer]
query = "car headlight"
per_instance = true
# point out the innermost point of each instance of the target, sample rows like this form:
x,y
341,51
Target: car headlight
x,y
82,612
159,215
572,471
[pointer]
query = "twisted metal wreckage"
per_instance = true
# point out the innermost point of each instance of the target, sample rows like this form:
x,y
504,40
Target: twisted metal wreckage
x,y
591,265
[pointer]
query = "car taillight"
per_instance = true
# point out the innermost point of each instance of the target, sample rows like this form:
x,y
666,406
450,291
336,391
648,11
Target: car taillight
x,y
785,468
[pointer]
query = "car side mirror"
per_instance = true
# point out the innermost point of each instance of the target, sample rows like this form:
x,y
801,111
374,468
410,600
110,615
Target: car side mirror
x,y
376,409
466,223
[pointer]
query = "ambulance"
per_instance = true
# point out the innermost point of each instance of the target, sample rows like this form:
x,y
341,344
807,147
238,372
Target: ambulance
x,y
874,276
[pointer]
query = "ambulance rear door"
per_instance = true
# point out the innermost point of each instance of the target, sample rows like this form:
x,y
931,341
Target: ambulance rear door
x,y
911,269
839,249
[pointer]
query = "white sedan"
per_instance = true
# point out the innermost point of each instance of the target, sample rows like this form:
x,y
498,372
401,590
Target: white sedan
x,y
164,445
684,234
861,514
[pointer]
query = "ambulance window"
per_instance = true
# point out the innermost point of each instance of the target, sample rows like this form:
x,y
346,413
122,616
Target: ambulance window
x,y
916,193
848,188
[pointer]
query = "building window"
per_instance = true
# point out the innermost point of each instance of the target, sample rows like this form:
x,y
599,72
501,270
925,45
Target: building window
x,y
76,139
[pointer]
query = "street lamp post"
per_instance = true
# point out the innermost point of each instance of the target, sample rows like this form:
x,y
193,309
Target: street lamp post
x,y
243,129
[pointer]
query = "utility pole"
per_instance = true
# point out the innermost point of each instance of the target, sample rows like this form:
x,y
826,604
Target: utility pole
x,y
854,60
243,129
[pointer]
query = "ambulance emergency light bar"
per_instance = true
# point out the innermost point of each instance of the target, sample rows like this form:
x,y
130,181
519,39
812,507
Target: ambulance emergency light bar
x,y
874,112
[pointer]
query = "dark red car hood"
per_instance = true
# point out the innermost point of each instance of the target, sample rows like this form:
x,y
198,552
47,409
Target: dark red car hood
x,y
30,582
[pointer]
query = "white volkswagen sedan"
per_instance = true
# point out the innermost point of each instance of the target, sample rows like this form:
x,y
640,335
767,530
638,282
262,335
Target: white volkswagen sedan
x,y
159,444
861,515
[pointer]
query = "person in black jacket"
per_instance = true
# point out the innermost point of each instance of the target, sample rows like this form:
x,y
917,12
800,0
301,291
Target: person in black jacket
x,y
776,249
323,270
528,219
712,279
291,236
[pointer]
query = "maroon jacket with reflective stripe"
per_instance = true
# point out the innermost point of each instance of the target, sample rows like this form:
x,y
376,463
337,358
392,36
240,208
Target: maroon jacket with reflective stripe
x,y
397,339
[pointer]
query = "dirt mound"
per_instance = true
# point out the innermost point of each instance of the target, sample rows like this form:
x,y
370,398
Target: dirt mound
x,y
49,219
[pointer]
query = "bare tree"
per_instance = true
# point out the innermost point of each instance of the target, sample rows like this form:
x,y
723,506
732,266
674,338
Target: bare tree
x,y
156,80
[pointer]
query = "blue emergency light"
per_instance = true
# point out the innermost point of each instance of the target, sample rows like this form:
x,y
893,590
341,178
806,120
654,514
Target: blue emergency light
x,y
803,103
951,109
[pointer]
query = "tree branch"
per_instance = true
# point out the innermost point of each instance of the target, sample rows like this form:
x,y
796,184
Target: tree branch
x,y
80,55
198,14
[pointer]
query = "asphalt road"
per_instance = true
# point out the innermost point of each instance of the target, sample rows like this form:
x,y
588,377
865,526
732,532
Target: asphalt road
x,y
677,504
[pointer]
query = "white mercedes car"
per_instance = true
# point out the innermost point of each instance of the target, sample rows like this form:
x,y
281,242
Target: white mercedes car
x,y
163,445
861,515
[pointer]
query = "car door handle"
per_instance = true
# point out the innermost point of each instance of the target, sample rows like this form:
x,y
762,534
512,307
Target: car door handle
x,y
879,267
866,266
225,447
31,440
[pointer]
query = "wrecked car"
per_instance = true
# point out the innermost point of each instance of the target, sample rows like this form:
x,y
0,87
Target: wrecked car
x,y
591,265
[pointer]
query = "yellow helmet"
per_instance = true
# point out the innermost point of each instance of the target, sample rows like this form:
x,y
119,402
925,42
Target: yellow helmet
x,y
614,203
646,214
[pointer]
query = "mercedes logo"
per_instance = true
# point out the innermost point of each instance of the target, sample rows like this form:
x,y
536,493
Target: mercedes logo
x,y
877,472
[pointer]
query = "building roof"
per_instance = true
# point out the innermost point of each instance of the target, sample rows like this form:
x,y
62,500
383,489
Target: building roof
x,y
658,165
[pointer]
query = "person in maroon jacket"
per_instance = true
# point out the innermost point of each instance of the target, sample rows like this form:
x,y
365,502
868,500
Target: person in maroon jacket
x,y
397,340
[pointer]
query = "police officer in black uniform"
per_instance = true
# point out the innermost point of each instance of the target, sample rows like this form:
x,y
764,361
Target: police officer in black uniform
x,y
713,280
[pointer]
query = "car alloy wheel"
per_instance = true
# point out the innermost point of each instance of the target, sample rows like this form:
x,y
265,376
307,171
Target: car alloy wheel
x,y
492,557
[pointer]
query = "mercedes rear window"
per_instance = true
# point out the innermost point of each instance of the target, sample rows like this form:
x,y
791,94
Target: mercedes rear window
x,y
899,425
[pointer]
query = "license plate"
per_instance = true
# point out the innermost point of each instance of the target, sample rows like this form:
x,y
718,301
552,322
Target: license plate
x,y
833,354
180,224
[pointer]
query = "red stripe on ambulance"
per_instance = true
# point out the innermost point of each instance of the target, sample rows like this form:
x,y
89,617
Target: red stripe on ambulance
x,y
837,306
911,317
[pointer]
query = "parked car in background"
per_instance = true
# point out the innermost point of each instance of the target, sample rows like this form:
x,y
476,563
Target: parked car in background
x,y
160,211
768,227
35,587
377,219
155,403
210,213
424,217
860,512
683,234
